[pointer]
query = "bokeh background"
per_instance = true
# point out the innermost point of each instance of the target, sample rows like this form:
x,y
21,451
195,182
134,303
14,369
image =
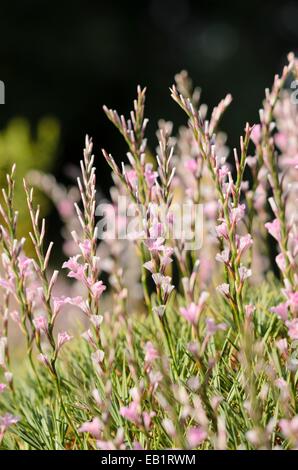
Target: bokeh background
x,y
62,60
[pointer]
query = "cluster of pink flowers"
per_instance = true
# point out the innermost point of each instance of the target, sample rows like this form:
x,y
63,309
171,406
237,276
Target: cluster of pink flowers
x,y
194,299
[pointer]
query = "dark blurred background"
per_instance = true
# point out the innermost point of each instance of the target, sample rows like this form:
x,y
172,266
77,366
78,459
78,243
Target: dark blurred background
x,y
67,58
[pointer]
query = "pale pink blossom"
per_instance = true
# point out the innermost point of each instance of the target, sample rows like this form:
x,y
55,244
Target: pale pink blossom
x,y
256,134
132,412
2,387
191,165
25,265
6,421
97,289
93,427
159,310
224,256
237,213
292,328
249,310
224,289
85,247
222,230
15,316
44,359
76,270
210,209
274,229
59,302
193,311
155,245
8,285
281,310
282,345
244,273
150,175
151,352
195,436
293,302
281,140
98,356
65,208
132,178
156,230
63,337
289,427
223,172
244,243
280,261
150,266
212,327
41,323
147,418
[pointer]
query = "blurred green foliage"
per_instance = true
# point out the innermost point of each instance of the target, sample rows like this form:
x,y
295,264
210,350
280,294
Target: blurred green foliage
x,y
28,149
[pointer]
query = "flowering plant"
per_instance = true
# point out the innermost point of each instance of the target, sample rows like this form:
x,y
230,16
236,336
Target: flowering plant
x,y
179,345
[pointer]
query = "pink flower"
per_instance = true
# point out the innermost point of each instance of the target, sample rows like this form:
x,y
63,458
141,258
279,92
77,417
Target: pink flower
x,y
222,230
195,436
8,285
65,208
289,427
210,209
244,243
224,289
40,323
212,327
293,302
224,256
150,175
155,245
59,302
43,358
249,310
131,412
2,387
6,421
292,328
159,310
132,178
281,140
93,427
15,316
256,134
244,273
147,418
223,172
281,310
85,247
193,312
280,261
237,213
274,229
156,230
282,345
149,265
63,337
97,289
25,265
191,165
98,356
76,270
150,352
